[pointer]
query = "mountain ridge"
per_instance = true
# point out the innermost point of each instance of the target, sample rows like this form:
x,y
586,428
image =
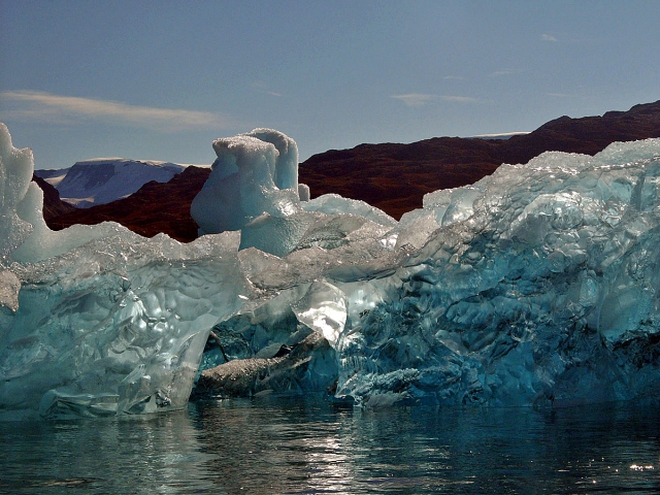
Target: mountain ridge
x,y
391,176
103,180
373,172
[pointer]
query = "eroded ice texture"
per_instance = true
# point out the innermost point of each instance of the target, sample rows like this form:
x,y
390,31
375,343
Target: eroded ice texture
x,y
98,320
540,286
537,285
253,187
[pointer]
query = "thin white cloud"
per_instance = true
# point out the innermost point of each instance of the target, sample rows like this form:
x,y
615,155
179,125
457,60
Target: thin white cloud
x,y
416,99
548,37
561,95
262,87
505,72
42,106
422,99
459,99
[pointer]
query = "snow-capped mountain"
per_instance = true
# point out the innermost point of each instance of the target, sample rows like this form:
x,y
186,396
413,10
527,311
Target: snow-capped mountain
x,y
103,180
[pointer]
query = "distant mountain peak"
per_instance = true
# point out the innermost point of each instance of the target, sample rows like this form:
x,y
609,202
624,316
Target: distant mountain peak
x,y
103,180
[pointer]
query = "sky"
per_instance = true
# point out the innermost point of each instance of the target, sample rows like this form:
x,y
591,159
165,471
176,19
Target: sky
x,y
161,80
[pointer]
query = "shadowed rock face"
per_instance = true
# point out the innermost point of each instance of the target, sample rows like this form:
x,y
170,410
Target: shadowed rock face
x,y
392,177
54,207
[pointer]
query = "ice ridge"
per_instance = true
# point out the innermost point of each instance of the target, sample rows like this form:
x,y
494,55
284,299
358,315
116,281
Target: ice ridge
x,y
536,286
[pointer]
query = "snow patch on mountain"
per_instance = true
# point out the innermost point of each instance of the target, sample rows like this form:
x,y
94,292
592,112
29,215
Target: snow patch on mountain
x,y
52,176
501,135
103,180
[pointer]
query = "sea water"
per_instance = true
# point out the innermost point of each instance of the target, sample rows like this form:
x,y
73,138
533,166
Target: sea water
x,y
277,445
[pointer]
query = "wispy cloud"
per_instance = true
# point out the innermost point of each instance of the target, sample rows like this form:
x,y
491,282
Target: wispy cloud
x,y
421,99
561,95
42,106
548,37
459,99
505,72
416,99
262,87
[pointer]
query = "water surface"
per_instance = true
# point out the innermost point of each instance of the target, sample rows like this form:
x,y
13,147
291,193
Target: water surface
x,y
289,445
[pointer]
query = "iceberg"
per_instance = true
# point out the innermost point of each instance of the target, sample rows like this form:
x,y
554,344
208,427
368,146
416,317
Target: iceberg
x,y
98,320
536,286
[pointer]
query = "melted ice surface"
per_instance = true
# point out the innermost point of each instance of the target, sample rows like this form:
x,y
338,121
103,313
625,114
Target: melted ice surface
x,y
537,285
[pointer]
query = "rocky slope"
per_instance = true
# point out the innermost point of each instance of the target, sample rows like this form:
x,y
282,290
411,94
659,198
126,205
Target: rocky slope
x,y
154,208
393,177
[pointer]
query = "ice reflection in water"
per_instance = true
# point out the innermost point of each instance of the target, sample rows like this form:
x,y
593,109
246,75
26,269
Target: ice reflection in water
x,y
286,445
138,456
289,447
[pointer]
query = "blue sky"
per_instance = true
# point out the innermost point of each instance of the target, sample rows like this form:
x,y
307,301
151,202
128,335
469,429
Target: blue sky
x,y
161,79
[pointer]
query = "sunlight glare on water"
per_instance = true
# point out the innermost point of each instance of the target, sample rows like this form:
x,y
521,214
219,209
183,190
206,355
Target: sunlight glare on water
x,y
289,445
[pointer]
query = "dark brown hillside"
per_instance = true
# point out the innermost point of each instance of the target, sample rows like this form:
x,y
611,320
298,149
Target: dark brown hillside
x,y
587,135
393,177
154,208
54,207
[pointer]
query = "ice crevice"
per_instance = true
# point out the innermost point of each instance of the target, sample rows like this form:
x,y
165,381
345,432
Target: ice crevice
x,y
536,286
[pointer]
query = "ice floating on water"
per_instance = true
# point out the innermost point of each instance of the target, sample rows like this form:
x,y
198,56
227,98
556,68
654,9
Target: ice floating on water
x,y
538,285
98,320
